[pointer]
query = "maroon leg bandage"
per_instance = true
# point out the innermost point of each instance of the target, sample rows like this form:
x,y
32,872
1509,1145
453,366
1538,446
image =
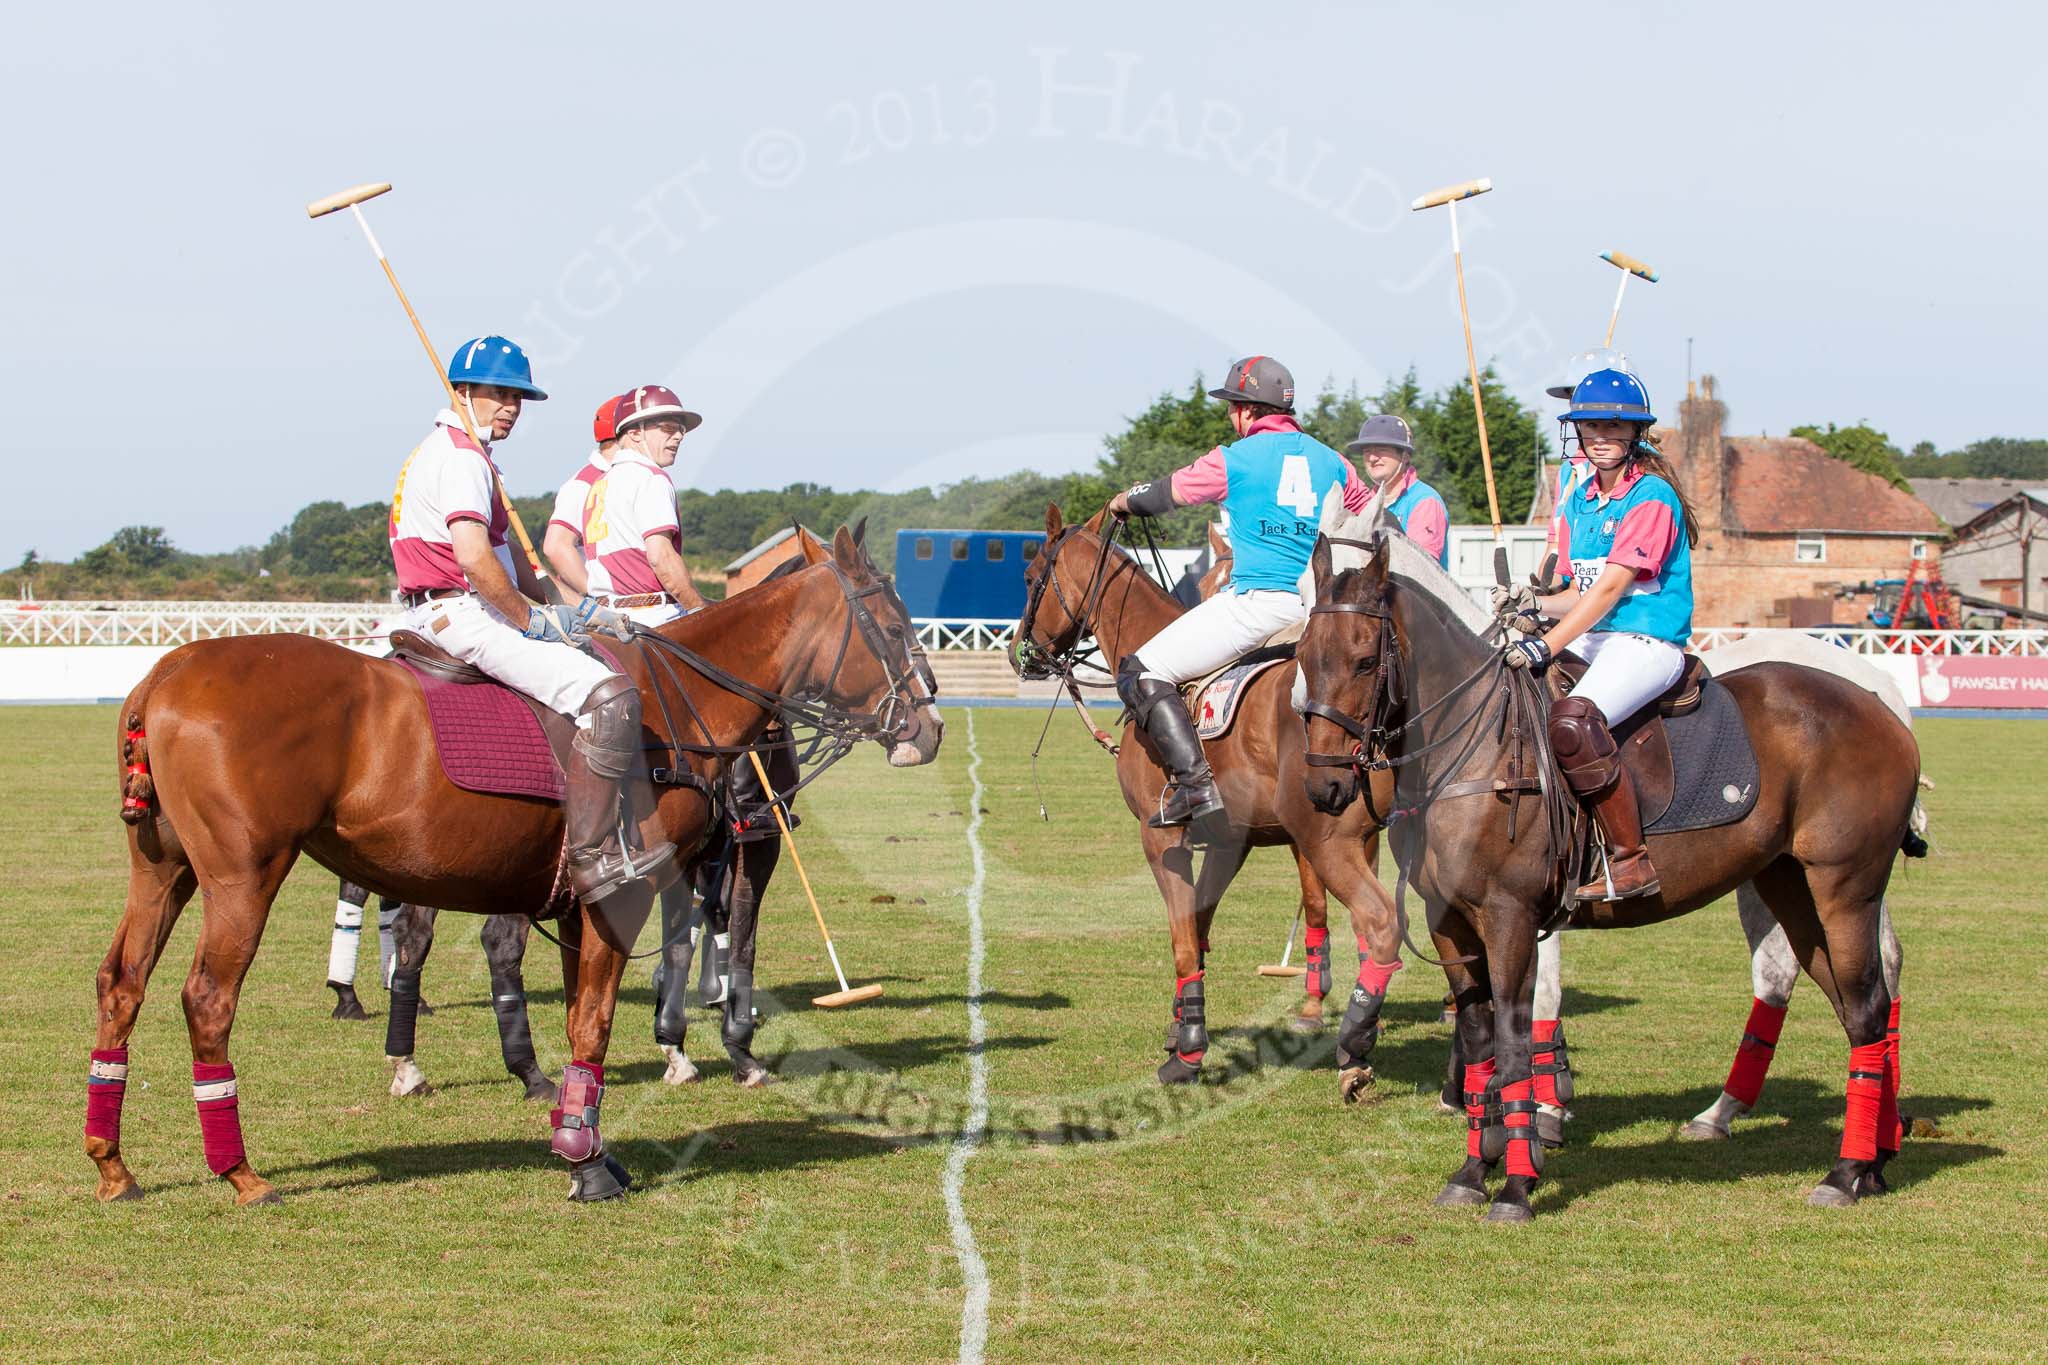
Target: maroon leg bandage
x,y
1478,1075
1753,1058
1518,1111
220,1115
575,1118
1866,1092
1315,982
106,1085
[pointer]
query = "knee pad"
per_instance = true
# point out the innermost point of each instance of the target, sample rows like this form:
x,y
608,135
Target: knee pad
x,y
1585,749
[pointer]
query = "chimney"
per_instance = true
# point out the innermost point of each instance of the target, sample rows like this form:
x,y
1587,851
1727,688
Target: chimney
x,y
1702,454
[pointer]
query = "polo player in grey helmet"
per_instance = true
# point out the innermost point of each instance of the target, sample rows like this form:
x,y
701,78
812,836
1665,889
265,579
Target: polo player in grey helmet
x,y
1272,482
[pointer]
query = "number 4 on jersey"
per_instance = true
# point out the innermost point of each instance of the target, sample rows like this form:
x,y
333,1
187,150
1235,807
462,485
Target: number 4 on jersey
x,y
1297,491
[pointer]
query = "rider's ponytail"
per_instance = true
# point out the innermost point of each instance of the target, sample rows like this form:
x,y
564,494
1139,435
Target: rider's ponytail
x,y
1648,457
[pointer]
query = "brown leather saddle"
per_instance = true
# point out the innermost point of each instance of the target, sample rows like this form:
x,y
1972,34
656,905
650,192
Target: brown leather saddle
x,y
1645,746
422,653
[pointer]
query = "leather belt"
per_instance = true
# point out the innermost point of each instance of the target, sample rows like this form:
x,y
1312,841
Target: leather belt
x,y
645,599
423,595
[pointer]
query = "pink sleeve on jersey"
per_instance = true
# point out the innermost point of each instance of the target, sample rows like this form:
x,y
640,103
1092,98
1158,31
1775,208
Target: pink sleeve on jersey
x,y
1430,527
1645,539
1561,542
1206,480
1357,492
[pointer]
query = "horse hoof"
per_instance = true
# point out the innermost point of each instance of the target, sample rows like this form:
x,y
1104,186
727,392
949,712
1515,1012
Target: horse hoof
x,y
1826,1196
1457,1196
407,1080
425,1009
1178,1072
1353,1083
755,1077
1445,1107
259,1197
681,1070
1503,1212
1306,1023
598,1179
1550,1128
346,1005
541,1088
119,1194
1871,1184
1703,1130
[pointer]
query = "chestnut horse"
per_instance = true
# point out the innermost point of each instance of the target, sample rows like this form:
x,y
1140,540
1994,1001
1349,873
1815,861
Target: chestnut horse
x,y
1080,585
1393,652
243,753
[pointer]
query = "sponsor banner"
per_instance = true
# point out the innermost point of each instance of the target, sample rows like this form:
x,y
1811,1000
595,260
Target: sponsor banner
x,y
1991,681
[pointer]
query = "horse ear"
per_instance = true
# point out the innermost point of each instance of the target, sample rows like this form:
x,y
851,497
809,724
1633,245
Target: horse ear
x,y
813,548
1319,563
860,532
1053,520
1219,547
1376,567
845,550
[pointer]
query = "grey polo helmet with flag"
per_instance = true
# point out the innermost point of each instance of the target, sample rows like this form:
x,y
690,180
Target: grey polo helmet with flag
x,y
1258,379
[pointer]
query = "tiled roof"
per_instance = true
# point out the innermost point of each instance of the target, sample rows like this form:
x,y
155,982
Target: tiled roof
x,y
1956,501
1786,484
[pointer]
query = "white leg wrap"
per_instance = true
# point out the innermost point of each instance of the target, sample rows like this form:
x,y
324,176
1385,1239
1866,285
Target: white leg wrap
x,y
387,945
341,948
1549,977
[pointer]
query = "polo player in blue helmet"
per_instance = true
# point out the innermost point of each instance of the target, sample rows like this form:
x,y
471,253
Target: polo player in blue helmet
x,y
1272,482
465,590
1625,535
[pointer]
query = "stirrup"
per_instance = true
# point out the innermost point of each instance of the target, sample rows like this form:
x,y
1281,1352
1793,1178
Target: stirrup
x,y
616,869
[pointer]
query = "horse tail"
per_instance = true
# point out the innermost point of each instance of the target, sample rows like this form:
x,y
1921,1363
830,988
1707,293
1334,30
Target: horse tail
x,y
138,784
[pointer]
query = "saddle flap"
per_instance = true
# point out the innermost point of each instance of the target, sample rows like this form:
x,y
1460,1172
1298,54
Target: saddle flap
x,y
1646,753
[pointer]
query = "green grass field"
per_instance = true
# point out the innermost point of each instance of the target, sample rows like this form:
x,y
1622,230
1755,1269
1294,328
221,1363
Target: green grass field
x,y
1254,1218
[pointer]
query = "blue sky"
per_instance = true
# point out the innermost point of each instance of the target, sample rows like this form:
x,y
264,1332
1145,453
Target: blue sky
x,y
889,245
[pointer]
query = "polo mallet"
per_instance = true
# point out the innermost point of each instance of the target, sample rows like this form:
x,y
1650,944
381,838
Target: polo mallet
x,y
1286,955
352,200
1627,265
845,995
1450,195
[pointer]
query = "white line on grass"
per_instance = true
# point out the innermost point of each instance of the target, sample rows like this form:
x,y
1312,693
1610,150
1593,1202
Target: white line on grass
x,y
973,1270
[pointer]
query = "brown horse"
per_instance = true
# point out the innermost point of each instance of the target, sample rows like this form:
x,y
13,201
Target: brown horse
x,y
1393,654
1080,585
243,753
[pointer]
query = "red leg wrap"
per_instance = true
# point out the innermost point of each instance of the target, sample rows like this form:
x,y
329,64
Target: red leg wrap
x,y
106,1086
1374,976
1315,982
220,1116
1541,1032
1866,1090
1889,1133
1753,1058
1518,1106
1478,1075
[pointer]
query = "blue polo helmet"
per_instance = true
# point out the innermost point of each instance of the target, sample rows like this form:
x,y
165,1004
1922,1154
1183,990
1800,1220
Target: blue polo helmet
x,y
1610,395
494,360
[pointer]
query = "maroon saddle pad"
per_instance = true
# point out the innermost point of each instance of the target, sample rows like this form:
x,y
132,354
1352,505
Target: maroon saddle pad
x,y
488,737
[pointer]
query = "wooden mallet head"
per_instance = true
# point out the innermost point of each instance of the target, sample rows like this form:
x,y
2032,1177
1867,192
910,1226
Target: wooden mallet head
x,y
1621,260
348,198
1451,194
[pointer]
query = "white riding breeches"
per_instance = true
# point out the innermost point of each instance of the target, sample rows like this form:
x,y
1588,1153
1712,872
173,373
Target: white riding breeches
x,y
1216,633
557,676
1624,672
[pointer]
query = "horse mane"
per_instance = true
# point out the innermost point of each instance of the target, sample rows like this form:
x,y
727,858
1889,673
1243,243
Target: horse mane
x,y
1409,563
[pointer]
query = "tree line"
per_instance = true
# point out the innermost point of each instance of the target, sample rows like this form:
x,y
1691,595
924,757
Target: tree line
x,y
333,552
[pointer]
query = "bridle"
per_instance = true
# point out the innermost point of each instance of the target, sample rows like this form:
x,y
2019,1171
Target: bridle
x,y
1036,662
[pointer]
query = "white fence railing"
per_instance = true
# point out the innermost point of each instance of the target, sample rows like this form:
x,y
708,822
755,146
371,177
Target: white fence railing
x,y
177,623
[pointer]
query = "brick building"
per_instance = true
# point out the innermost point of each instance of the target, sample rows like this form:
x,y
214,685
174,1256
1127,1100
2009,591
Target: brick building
x,y
1784,526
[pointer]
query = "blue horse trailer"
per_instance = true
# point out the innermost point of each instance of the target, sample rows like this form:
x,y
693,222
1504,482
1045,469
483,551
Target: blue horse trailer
x,y
964,575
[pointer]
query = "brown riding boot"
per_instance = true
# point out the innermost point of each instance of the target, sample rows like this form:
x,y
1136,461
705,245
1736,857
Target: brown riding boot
x,y
600,864
1621,828
1591,763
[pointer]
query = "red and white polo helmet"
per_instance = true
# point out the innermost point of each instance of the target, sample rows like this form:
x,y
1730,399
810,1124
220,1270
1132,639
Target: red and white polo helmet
x,y
648,403
605,425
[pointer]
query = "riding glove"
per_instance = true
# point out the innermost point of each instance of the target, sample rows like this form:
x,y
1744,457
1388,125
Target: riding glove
x,y
1529,652
556,625
591,616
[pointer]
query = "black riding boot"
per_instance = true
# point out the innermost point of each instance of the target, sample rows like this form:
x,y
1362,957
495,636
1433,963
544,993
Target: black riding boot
x,y
1192,799
600,864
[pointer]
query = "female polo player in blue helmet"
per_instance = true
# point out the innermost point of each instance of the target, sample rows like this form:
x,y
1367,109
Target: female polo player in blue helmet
x,y
1625,535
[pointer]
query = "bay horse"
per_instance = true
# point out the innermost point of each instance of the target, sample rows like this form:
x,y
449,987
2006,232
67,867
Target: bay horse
x,y
1080,585
242,753
1395,653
